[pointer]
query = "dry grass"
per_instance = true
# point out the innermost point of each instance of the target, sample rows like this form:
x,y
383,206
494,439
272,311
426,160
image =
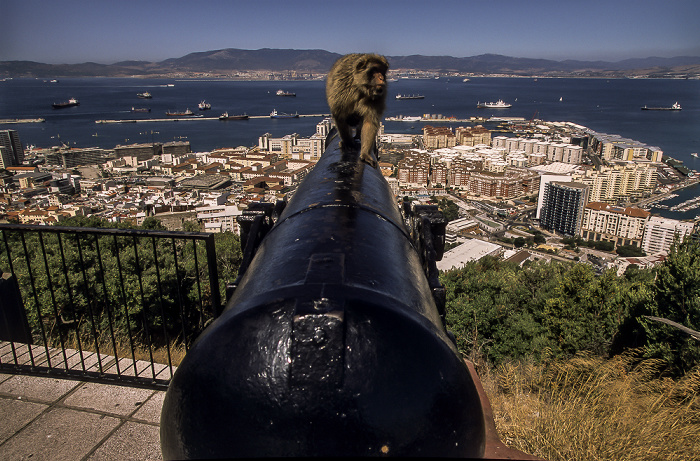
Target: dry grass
x,y
123,349
589,408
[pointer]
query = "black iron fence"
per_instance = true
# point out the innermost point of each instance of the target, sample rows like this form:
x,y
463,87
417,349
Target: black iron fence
x,y
113,305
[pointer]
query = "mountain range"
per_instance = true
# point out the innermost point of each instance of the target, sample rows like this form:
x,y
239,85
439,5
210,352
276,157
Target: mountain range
x,y
234,62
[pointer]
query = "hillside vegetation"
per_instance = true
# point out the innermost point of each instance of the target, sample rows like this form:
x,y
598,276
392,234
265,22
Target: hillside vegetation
x,y
572,367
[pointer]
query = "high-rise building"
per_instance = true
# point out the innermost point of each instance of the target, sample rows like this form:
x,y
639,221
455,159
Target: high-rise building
x,y
11,150
562,207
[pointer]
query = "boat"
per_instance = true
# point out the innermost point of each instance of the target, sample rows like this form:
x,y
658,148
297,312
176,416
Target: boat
x,y
140,109
410,96
144,95
62,105
694,154
204,105
275,114
226,116
465,80
177,114
285,93
493,105
675,106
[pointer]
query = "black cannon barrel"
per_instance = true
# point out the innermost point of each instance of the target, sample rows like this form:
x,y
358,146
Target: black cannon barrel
x,y
331,343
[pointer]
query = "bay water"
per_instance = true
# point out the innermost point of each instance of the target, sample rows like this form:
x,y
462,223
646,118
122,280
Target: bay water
x,y
605,105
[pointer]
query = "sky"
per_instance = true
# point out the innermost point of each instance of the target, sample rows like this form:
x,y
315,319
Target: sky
x,y
108,31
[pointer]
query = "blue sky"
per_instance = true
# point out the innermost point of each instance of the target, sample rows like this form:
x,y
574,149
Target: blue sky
x,y
107,31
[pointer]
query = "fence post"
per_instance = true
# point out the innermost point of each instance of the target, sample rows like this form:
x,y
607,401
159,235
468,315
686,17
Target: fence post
x,y
213,275
13,318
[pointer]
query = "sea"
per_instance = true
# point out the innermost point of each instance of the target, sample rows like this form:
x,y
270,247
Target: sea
x,y
605,105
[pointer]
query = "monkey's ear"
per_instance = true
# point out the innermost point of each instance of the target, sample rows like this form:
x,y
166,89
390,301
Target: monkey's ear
x,y
361,64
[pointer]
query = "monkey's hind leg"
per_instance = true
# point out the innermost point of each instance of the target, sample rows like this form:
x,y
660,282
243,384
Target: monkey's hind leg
x,y
347,142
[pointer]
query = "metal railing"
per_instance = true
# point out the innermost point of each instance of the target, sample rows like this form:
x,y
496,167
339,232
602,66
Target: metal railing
x,y
111,305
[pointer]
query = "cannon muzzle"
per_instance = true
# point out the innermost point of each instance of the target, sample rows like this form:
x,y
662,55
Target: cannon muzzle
x,y
331,343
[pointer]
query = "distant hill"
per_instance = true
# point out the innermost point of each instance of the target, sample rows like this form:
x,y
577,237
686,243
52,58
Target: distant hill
x,y
226,62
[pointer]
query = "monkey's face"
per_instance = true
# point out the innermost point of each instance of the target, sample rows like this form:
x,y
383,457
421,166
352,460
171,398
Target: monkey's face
x,y
372,76
377,81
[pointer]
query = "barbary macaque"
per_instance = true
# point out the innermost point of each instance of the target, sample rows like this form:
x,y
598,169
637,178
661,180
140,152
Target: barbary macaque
x,y
356,92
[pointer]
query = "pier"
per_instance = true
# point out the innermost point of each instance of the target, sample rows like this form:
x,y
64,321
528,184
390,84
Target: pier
x,y
191,118
21,120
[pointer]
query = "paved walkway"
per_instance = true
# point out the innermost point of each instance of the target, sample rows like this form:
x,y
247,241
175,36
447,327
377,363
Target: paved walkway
x,y
61,419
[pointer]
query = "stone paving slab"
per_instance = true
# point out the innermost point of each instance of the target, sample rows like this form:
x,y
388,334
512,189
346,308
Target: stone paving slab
x,y
45,418
46,390
15,414
132,441
59,434
107,398
150,411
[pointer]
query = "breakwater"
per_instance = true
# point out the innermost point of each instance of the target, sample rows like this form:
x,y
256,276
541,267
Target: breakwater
x,y
192,118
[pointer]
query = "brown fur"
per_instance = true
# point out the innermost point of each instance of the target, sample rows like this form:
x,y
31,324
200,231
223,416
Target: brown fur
x,y
356,92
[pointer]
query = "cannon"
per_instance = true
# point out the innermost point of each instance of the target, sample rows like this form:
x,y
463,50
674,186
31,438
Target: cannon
x,y
333,340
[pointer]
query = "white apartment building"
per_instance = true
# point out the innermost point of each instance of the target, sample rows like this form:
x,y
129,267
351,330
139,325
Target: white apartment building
x,y
294,146
622,226
619,182
659,233
219,218
539,150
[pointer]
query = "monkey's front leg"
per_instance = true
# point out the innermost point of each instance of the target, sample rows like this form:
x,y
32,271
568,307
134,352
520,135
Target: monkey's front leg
x,y
369,131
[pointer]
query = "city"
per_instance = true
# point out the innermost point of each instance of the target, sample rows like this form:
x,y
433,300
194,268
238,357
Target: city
x,y
539,192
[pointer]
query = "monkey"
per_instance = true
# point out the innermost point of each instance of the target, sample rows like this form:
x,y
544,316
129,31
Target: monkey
x,y
356,93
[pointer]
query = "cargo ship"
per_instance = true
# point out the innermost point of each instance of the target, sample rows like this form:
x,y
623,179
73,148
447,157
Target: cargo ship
x,y
140,109
285,93
226,116
144,95
62,105
275,114
410,96
675,106
493,105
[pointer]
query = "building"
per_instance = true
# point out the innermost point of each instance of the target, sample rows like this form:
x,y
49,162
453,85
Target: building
x,y
176,148
414,169
615,147
619,182
511,183
219,217
140,151
438,137
11,150
473,136
622,226
562,207
536,151
660,233
72,157
293,146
